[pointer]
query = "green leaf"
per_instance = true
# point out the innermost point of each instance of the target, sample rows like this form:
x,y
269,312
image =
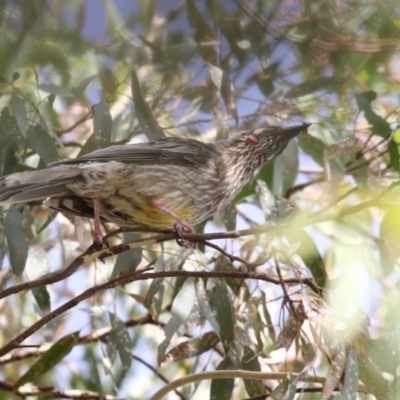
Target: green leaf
x,y
220,301
54,89
18,245
102,125
291,329
222,389
40,141
230,28
152,292
19,108
181,309
309,253
313,147
350,386
255,33
204,36
224,85
250,363
371,376
228,215
52,215
42,298
394,155
120,339
78,91
193,347
49,359
145,116
279,392
128,260
380,126
327,84
204,305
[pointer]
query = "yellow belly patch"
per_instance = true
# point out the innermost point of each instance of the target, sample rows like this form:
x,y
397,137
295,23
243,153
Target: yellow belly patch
x,y
140,211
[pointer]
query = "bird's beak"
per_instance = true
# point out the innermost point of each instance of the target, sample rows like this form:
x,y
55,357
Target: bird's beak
x,y
291,132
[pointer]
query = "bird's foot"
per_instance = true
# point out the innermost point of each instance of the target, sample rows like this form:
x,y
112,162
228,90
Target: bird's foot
x,y
184,228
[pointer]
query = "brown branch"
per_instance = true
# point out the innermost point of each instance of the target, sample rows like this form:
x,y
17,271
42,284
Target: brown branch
x,y
282,229
138,276
51,392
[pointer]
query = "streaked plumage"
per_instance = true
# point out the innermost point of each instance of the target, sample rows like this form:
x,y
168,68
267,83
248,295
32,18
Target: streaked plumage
x,y
187,177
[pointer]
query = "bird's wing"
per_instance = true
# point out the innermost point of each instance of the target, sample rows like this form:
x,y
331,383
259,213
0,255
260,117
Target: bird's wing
x,y
187,152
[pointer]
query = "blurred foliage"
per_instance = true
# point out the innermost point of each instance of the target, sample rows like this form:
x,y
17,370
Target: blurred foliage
x,y
81,75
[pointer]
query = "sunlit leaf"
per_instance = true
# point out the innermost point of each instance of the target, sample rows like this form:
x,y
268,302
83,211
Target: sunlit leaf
x,y
338,365
350,386
372,377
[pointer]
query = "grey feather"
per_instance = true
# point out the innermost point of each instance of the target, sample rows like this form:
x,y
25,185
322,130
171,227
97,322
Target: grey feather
x,y
187,152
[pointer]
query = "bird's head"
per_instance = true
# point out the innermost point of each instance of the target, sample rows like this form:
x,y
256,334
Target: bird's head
x,y
260,145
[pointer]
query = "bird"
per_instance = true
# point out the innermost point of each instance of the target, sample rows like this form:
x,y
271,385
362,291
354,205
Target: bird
x,y
169,183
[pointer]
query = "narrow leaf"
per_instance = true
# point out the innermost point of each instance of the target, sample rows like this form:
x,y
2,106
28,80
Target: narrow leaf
x,y
40,141
49,359
309,253
128,260
394,155
193,347
42,298
350,386
204,36
334,375
84,84
54,89
18,245
250,363
102,125
19,108
224,85
291,329
181,309
228,215
145,116
222,389
220,301
327,84
120,339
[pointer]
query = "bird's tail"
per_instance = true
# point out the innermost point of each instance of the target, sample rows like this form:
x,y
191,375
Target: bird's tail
x,y
37,185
